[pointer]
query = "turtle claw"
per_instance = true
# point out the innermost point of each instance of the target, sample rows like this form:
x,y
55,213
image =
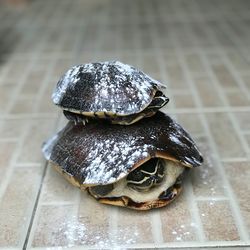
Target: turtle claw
x,y
84,120
76,118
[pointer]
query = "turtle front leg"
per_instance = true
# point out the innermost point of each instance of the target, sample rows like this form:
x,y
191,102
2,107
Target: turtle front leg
x,y
76,118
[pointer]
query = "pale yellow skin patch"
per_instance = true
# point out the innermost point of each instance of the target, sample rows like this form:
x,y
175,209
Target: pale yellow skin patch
x,y
171,172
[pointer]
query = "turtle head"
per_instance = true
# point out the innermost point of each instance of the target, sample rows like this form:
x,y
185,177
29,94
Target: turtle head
x,y
146,176
159,101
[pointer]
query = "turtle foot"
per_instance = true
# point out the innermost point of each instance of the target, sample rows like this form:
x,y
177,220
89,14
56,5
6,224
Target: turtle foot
x,y
76,118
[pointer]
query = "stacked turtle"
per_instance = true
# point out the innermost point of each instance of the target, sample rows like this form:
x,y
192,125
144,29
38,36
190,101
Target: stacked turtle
x,y
117,145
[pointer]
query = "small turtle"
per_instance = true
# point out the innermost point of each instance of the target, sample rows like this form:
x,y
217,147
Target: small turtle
x,y
108,90
138,166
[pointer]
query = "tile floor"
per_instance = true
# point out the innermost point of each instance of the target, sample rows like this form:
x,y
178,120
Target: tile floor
x,y
201,49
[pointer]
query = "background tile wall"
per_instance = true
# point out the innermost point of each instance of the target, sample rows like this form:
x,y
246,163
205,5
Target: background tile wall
x,y
200,49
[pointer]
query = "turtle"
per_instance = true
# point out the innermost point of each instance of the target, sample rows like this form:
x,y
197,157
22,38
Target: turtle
x,y
108,90
140,166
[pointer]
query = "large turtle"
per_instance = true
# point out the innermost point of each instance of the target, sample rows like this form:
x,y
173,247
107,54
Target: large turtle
x,y
138,166
109,90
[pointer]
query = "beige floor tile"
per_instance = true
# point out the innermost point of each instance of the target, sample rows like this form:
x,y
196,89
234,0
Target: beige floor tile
x,y
94,218
55,226
247,138
45,103
5,96
183,100
217,221
213,57
238,60
133,227
17,204
33,83
20,66
176,77
239,175
246,79
7,150
57,189
38,131
176,220
195,64
145,41
225,136
207,92
31,88
237,98
191,123
206,179
150,64
23,106
129,58
41,40
12,128
224,76
62,65
170,58
243,119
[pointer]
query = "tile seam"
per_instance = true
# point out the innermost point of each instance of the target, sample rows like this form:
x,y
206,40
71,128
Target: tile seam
x,y
235,209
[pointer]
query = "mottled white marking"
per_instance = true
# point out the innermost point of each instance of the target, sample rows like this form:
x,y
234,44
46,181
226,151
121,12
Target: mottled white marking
x,y
61,89
133,98
119,153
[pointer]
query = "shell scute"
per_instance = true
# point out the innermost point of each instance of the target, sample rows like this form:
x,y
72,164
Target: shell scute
x,y
98,153
108,86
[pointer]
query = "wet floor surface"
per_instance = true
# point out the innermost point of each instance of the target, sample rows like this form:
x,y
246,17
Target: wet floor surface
x,y
200,49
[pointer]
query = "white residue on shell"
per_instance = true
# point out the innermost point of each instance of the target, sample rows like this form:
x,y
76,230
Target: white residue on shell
x,y
70,76
175,139
120,84
123,154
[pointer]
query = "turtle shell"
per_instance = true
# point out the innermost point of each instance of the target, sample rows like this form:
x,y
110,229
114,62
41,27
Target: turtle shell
x,y
111,87
100,154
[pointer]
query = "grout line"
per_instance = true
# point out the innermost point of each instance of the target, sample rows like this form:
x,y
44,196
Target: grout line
x,y
150,51
27,116
29,231
35,207
191,202
234,206
5,71
13,161
174,245
211,198
246,132
242,86
27,164
113,225
156,223
170,110
11,139
234,159
194,211
31,65
49,73
156,228
5,182
184,19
